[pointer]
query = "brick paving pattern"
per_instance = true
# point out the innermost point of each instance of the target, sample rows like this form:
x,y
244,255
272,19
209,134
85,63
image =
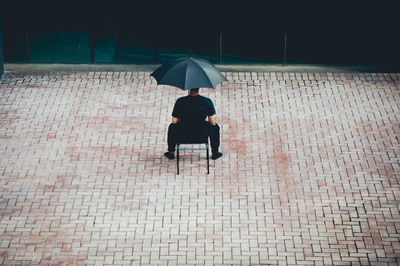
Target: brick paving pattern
x,y
310,172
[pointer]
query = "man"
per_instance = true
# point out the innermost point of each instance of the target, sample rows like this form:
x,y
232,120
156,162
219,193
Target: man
x,y
188,116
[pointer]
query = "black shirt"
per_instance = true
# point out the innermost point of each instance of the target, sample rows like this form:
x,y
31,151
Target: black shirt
x,y
192,109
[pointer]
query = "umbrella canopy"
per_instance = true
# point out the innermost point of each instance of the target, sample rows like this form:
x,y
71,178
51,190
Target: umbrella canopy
x,y
188,73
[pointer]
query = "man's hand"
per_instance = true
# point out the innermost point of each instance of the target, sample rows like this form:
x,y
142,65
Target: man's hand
x,y
211,119
175,120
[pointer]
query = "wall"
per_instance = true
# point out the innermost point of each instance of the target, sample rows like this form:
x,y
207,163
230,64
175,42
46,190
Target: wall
x,y
145,33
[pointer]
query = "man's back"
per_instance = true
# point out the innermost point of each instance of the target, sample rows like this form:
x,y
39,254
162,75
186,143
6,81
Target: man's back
x,y
193,109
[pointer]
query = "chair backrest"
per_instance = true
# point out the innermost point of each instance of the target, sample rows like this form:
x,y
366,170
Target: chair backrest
x,y
193,126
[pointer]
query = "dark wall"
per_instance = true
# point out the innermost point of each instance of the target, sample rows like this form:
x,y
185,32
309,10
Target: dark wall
x,y
323,32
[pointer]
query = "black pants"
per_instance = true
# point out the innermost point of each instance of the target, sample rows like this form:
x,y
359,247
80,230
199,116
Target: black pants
x,y
212,131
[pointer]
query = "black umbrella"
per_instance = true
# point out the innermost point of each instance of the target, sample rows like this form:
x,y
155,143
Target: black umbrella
x,y
188,73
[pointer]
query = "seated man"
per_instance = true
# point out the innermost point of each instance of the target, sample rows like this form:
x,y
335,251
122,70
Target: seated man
x,y
188,115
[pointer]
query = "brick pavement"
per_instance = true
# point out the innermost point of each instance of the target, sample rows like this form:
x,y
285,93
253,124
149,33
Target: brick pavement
x,y
310,172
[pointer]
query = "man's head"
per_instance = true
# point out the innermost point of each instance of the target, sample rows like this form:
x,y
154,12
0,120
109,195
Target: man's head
x,y
194,91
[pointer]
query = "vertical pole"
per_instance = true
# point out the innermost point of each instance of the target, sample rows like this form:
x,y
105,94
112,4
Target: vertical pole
x,y
91,47
284,51
220,48
27,57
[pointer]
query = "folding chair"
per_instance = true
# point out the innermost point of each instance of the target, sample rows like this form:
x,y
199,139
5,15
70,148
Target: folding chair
x,y
202,140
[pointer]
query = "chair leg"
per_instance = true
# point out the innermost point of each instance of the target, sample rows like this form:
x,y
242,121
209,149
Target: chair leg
x,y
208,161
177,158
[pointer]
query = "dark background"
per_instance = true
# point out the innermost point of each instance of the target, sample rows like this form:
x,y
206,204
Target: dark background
x,y
343,33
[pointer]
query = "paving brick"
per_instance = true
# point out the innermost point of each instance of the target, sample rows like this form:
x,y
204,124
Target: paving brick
x,y
310,172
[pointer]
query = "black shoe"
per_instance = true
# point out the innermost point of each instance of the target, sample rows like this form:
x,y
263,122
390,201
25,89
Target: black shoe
x,y
215,156
169,155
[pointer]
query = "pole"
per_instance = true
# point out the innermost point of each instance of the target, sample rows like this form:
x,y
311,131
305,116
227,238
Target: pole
x,y
220,48
284,51
27,47
91,47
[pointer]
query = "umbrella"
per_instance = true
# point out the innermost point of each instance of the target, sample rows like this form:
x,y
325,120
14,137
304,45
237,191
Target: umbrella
x,y
188,73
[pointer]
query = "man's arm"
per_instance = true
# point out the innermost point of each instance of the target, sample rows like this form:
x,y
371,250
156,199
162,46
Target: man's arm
x,y
211,119
176,112
175,120
211,113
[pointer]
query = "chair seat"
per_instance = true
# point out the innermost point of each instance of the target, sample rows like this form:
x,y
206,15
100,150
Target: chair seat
x,y
188,141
